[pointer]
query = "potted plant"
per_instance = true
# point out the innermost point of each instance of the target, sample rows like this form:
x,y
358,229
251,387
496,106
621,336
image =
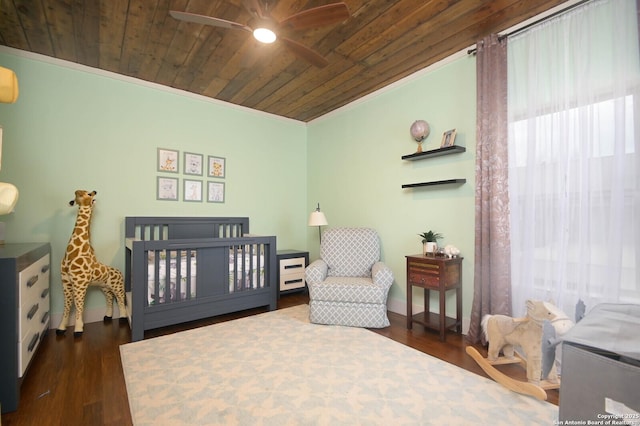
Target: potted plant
x,y
430,242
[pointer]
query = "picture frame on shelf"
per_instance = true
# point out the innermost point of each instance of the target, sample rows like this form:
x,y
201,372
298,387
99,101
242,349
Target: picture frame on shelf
x,y
168,160
448,138
215,192
217,167
193,164
192,190
167,188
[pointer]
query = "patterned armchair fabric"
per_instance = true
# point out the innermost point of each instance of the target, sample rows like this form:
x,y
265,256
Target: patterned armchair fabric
x,y
349,284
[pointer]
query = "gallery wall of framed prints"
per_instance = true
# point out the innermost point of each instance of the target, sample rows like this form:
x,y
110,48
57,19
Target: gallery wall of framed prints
x,y
194,185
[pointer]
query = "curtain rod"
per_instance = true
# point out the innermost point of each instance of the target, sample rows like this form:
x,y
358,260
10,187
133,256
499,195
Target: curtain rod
x,y
532,24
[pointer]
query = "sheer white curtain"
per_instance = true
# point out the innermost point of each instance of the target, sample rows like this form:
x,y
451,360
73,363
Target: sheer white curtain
x,y
574,158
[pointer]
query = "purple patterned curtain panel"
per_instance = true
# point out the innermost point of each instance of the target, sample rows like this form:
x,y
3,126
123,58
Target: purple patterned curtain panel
x,y
492,274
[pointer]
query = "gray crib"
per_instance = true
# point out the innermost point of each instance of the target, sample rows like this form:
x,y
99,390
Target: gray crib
x,y
180,269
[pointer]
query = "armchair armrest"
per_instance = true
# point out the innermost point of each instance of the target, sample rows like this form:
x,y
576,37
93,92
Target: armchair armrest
x,y
382,275
316,272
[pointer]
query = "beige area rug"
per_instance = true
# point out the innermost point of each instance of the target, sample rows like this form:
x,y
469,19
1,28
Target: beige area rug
x,y
278,369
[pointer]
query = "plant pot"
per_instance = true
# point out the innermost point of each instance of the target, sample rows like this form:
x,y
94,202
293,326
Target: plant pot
x,y
430,248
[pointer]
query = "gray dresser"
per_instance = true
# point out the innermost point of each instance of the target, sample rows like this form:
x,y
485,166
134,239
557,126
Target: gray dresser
x,y
601,367
24,313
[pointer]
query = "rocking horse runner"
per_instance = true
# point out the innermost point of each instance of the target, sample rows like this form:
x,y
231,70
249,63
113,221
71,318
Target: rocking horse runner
x,y
80,269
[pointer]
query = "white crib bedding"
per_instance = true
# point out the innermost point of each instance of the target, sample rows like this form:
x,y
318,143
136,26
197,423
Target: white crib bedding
x,y
250,274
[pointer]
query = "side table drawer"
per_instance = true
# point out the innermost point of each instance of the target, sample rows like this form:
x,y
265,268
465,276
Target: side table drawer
x,y
433,275
424,274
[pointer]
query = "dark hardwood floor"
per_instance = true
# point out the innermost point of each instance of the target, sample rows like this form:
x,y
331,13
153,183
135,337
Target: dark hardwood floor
x,y
79,381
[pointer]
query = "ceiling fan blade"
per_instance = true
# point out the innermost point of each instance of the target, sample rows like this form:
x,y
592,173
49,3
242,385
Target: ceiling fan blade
x,y
207,20
255,8
305,53
317,17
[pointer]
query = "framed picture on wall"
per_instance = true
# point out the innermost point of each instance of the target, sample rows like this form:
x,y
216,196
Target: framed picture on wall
x,y
192,164
217,166
168,160
167,188
448,138
215,192
192,190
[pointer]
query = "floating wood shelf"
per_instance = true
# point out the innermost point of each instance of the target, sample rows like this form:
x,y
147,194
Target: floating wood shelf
x,y
454,149
435,182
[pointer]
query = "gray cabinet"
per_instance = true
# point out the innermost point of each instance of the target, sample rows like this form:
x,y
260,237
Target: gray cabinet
x,y
24,313
601,367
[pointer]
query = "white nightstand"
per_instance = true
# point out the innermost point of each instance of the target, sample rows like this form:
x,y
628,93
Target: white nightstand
x,y
291,265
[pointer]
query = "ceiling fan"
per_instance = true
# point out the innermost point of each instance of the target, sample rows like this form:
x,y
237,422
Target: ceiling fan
x,y
266,29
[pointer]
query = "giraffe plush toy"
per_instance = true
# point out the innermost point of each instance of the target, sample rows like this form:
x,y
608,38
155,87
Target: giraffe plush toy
x,y
80,269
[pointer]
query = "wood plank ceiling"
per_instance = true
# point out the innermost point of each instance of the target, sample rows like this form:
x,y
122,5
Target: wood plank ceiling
x,y
382,42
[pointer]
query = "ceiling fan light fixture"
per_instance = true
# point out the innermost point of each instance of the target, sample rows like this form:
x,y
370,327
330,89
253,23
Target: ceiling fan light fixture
x,y
264,35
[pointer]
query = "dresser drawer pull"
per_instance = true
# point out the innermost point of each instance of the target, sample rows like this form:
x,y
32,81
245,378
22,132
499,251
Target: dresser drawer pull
x,y
33,311
34,341
32,281
45,317
44,293
299,280
45,268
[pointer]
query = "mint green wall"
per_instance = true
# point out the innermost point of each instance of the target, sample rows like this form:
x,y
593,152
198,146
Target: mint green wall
x,y
356,172
72,129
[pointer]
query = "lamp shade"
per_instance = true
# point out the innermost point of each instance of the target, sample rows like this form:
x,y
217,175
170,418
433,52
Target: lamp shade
x,y
317,218
8,198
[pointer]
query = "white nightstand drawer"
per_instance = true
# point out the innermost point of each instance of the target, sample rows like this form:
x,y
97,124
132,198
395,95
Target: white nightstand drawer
x,y
292,266
292,280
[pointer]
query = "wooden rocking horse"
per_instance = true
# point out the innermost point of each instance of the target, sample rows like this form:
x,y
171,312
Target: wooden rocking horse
x,y
80,268
535,335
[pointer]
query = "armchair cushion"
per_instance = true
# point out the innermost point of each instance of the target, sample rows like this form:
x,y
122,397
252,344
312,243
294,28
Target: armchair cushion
x,y
350,252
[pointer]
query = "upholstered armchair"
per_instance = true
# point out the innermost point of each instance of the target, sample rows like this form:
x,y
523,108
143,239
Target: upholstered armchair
x,y
349,284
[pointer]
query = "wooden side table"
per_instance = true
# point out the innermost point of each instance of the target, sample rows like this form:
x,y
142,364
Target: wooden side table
x,y
440,274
